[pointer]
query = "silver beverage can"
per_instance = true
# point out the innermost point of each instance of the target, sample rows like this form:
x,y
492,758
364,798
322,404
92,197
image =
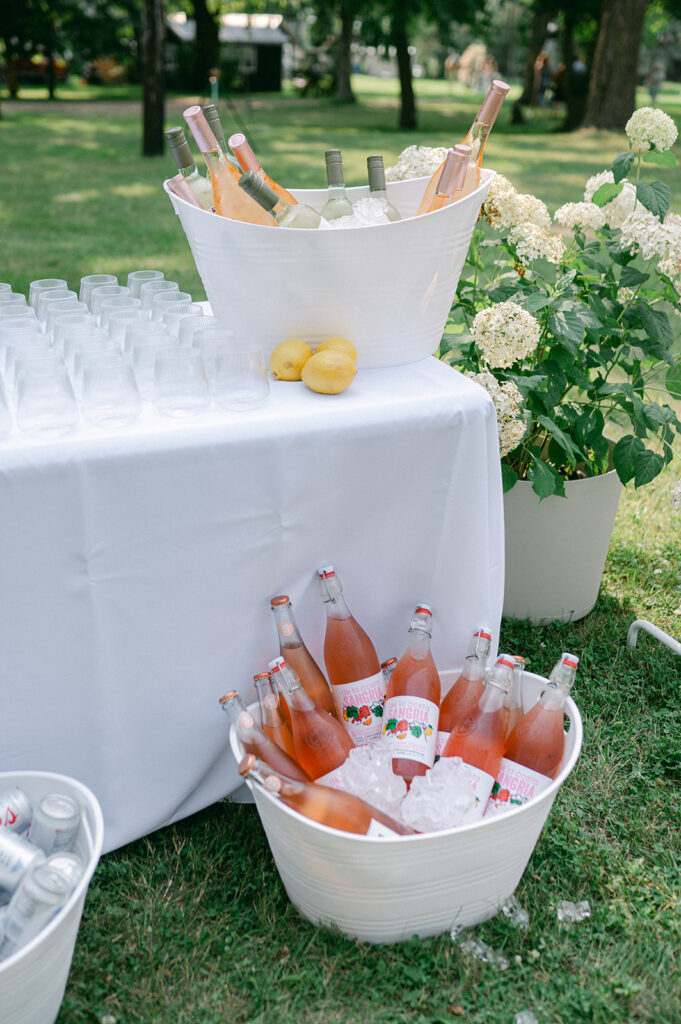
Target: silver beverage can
x,y
17,855
41,893
15,809
70,865
55,823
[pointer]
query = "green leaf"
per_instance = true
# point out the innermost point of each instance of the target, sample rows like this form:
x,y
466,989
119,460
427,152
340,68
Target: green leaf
x,y
528,382
673,381
631,277
567,325
621,165
533,302
606,193
655,322
566,443
656,197
545,480
509,477
648,464
666,159
624,456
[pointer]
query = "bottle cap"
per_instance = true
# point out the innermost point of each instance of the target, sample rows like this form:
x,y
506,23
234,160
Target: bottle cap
x,y
571,660
506,660
491,105
229,696
376,173
247,764
388,663
212,116
261,675
238,144
334,168
180,187
179,147
453,173
277,664
484,633
200,129
279,600
422,619
255,187
326,571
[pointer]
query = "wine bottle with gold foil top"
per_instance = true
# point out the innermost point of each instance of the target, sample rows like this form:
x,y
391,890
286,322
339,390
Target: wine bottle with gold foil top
x,y
450,185
293,649
230,200
181,154
255,741
248,161
284,215
271,717
475,137
327,806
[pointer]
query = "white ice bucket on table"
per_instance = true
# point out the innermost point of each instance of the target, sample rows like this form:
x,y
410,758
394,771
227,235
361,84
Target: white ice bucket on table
x,y
388,890
32,980
388,288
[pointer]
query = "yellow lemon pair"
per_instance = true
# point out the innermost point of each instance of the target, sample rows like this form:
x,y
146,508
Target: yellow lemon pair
x,y
329,371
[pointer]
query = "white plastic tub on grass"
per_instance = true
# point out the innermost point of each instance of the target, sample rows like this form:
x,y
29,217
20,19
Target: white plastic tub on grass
x,y
388,890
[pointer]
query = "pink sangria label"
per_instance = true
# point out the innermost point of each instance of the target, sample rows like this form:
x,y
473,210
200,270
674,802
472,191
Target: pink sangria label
x,y
481,783
410,727
440,744
516,785
360,707
378,829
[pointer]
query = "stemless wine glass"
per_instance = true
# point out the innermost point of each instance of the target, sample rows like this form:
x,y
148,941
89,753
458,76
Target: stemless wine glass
x,y
12,300
241,382
178,311
77,339
208,340
44,400
4,287
190,324
144,350
110,397
92,281
105,291
60,307
144,328
67,323
115,303
18,335
180,384
13,309
151,288
36,288
22,349
118,321
49,296
83,354
137,278
161,300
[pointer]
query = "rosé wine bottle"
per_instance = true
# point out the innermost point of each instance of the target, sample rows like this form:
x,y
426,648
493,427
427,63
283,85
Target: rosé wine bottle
x,y
257,742
479,738
293,649
462,698
535,748
412,702
450,184
271,717
248,161
352,665
321,743
330,807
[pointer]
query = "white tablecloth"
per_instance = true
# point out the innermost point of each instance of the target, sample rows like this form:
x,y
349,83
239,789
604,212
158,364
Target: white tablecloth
x,y
137,569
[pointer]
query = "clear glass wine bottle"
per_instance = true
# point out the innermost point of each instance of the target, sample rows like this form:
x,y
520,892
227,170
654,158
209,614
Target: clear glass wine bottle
x,y
338,203
284,215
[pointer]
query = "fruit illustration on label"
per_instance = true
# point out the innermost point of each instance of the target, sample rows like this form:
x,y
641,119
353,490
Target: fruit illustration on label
x,y
400,728
363,715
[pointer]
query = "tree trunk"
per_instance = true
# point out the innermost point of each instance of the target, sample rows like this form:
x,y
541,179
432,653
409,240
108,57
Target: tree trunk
x,y
540,22
612,86
153,35
407,118
344,66
206,46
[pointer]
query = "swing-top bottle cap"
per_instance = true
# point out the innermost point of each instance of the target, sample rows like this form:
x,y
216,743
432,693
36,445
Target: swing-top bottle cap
x,y
518,659
325,572
334,168
570,660
229,696
277,664
422,619
484,633
454,171
200,129
179,147
279,600
247,158
506,660
491,105
259,190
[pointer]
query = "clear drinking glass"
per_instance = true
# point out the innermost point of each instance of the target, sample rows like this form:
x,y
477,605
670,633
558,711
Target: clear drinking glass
x,y
110,397
44,401
49,295
241,381
161,300
151,288
17,334
5,415
118,321
105,291
13,309
67,323
4,287
139,277
86,352
36,288
92,281
144,351
208,340
190,324
60,307
78,339
178,311
27,346
145,328
115,303
12,299
180,383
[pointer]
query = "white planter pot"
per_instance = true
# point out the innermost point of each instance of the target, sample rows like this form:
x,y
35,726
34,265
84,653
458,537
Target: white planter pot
x,y
556,548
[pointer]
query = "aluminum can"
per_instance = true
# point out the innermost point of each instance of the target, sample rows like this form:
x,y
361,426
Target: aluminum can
x,y
41,894
17,855
55,823
15,809
70,865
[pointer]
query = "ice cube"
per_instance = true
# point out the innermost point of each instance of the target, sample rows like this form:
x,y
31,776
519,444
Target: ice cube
x,y
442,798
568,912
366,212
368,773
525,1017
516,913
479,950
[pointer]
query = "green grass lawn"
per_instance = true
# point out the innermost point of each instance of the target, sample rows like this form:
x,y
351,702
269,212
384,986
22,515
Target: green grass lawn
x,y
191,924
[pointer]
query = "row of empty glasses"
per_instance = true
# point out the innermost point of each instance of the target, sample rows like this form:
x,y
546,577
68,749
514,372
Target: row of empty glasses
x,y
105,350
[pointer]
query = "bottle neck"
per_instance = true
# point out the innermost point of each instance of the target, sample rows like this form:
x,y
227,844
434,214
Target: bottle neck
x,y
378,193
280,785
289,686
419,644
337,192
190,172
289,635
554,696
334,602
233,707
473,668
476,139
492,698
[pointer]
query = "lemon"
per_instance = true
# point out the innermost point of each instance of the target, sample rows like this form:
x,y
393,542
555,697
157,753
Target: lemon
x,y
341,345
288,359
329,372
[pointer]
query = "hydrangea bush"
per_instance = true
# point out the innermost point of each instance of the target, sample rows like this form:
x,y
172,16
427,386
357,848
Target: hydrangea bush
x,y
571,326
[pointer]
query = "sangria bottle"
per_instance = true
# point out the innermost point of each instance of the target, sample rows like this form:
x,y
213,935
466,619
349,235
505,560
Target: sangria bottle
x,y
284,215
331,807
479,738
271,717
338,204
321,743
412,702
452,179
257,742
462,699
352,665
475,137
181,154
248,161
387,668
230,200
514,698
377,189
293,649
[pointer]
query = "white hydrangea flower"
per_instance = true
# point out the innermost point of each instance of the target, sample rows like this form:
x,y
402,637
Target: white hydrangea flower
x,y
594,183
650,126
619,208
507,403
533,242
505,333
531,210
643,233
416,162
673,220
580,215
500,206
